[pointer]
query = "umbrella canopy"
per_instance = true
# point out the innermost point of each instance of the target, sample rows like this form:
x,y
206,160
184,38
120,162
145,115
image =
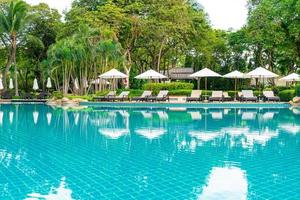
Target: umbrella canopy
x,y
113,74
235,74
205,73
11,84
151,75
49,84
291,78
261,72
35,84
1,84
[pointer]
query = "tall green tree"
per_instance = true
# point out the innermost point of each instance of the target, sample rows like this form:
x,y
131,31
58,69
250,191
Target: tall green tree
x,y
12,22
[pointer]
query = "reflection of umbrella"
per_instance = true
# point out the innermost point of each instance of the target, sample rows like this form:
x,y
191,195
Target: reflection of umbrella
x,y
49,84
151,75
1,117
205,73
291,128
261,137
150,133
11,117
76,118
11,84
49,117
35,84
204,135
235,75
35,115
113,133
1,84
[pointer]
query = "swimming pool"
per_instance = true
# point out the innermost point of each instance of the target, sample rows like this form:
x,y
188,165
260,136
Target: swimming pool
x,y
149,153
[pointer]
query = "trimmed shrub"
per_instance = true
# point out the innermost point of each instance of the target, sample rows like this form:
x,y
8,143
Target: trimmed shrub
x,y
57,95
180,92
297,89
287,95
101,93
155,87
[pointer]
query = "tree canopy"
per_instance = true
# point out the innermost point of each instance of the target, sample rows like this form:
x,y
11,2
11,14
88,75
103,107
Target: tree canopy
x,y
97,35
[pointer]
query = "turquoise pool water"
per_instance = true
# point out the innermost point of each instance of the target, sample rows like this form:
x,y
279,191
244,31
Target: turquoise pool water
x,y
149,153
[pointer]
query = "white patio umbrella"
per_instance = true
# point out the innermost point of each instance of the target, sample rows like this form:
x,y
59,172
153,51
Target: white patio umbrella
x,y
11,84
76,84
113,74
151,75
49,84
205,73
261,73
1,84
291,78
235,75
35,85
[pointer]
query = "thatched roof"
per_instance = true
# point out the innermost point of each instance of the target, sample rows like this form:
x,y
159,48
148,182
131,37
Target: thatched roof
x,y
179,73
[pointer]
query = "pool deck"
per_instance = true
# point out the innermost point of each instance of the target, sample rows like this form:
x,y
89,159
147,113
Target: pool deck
x,y
188,105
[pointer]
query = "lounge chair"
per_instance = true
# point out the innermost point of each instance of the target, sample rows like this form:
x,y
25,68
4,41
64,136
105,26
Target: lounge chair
x,y
195,96
162,96
107,97
122,97
216,96
226,97
27,96
269,96
144,97
6,95
239,96
247,95
42,95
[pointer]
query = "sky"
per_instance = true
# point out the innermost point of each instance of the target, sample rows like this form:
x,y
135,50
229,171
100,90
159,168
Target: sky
x,y
223,14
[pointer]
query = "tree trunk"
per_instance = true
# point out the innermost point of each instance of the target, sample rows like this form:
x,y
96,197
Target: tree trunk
x,y
127,66
14,51
159,54
7,67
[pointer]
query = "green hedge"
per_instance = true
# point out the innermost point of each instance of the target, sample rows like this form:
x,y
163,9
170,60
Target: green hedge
x,y
287,95
297,90
155,87
57,95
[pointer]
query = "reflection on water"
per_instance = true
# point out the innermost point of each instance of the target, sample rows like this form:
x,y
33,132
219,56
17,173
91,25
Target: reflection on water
x,y
225,183
135,153
61,193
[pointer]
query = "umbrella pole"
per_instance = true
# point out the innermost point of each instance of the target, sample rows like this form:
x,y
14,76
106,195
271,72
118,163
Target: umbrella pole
x,y
206,88
235,93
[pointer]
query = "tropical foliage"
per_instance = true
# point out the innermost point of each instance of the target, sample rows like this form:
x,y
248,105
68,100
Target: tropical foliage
x,y
97,35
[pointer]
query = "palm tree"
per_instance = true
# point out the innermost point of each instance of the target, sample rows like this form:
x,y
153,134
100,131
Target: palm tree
x,y
12,22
